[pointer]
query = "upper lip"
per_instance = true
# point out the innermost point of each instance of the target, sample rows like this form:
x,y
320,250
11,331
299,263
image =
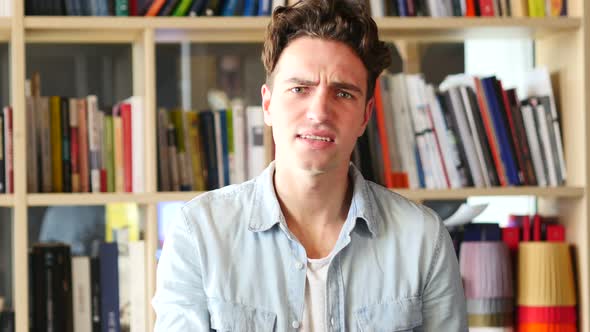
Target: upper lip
x,y
320,133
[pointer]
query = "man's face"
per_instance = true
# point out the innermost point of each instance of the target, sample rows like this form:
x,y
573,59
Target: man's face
x,y
317,107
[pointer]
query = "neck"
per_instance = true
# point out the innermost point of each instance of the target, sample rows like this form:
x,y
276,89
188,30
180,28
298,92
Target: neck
x,y
315,206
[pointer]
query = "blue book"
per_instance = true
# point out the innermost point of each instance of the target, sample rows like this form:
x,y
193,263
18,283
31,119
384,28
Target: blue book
x,y
506,153
229,8
109,287
421,178
402,8
264,7
224,146
482,232
250,7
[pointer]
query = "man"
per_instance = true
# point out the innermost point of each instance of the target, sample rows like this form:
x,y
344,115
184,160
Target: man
x,y
309,244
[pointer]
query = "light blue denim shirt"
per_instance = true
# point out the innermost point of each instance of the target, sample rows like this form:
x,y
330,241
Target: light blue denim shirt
x,y
232,264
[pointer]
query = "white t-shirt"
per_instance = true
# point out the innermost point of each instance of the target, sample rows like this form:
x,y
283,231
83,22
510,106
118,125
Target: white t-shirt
x,y
314,312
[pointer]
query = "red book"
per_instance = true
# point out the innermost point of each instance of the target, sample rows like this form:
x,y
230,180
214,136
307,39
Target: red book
x,y
382,135
555,233
133,11
511,236
103,180
490,131
470,8
438,148
127,148
536,227
486,8
526,228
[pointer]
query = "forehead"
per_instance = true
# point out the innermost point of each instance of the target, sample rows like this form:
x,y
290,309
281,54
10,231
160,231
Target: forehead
x,y
314,57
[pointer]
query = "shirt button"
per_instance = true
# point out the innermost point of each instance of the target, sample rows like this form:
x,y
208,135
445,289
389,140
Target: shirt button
x,y
299,266
332,321
295,324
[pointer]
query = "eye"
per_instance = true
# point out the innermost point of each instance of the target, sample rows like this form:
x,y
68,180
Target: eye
x,y
344,94
298,89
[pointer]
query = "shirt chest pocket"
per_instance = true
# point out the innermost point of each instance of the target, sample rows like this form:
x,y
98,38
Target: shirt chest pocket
x,y
394,316
226,317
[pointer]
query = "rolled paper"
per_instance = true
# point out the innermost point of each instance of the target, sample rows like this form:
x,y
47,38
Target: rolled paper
x,y
490,306
546,327
545,275
493,320
486,270
561,315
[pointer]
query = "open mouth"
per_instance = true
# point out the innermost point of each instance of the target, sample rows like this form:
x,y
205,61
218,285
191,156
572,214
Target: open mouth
x,y
316,138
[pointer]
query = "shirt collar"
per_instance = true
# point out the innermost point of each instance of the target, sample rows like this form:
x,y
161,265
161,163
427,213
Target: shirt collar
x,y
266,211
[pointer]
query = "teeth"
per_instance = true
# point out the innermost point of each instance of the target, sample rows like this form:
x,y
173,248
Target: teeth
x,y
318,138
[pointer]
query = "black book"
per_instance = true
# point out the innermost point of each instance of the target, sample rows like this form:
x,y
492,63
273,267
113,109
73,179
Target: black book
x,y
95,293
529,170
453,128
168,8
66,144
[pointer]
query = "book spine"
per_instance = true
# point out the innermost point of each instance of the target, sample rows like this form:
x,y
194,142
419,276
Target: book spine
x,y
65,140
83,143
127,148
109,287
75,145
8,147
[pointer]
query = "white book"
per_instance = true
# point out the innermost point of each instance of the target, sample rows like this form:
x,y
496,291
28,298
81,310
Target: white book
x,y
450,157
466,138
432,140
404,129
94,142
138,144
528,118
545,140
277,3
240,142
387,99
377,8
81,294
255,151
137,287
538,83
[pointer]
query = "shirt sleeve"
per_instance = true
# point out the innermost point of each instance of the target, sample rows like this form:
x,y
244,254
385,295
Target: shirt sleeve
x,y
180,302
443,306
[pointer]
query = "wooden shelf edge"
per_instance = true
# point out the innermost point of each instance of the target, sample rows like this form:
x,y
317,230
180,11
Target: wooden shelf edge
x,y
417,194
462,193
6,200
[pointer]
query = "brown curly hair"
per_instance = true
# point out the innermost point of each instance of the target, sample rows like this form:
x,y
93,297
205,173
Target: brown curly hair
x,y
346,21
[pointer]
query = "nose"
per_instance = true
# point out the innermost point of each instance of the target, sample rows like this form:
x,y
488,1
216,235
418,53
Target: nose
x,y
319,108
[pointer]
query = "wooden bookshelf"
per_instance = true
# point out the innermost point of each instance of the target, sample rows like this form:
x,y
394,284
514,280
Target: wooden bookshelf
x,y
561,44
50,29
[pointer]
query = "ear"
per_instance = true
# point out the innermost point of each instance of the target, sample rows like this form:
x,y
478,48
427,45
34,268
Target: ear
x,y
266,94
367,115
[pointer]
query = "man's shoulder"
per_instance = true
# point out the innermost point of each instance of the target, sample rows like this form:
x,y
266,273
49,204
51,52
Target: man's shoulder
x,y
400,212
222,206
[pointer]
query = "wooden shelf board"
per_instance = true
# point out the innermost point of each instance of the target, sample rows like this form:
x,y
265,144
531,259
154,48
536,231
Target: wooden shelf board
x,y
86,199
558,192
6,200
418,194
251,29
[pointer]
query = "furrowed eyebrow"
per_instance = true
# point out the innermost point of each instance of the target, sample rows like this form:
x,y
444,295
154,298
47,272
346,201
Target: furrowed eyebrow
x,y
337,85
